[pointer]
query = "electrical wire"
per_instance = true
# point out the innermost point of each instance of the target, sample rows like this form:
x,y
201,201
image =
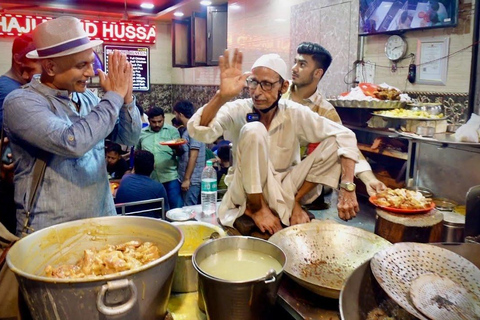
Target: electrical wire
x,y
427,62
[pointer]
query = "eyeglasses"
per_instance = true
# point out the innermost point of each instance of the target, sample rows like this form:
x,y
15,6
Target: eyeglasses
x,y
265,85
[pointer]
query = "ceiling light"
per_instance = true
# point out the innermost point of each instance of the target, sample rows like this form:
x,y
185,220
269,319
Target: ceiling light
x,y
280,20
147,5
178,14
234,6
205,3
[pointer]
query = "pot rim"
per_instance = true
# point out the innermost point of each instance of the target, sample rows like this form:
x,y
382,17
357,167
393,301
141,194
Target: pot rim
x,y
109,277
202,273
197,223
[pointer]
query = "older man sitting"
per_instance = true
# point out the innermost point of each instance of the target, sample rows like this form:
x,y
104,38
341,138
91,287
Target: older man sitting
x,y
269,183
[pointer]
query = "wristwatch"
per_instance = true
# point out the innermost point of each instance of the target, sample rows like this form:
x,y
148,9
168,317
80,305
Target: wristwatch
x,y
349,186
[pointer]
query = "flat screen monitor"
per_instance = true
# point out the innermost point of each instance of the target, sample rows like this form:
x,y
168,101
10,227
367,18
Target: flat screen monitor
x,y
383,16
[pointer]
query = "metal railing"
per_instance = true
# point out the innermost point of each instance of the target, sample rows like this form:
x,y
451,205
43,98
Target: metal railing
x,y
138,207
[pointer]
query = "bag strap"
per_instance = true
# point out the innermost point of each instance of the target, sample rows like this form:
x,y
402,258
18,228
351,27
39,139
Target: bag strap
x,y
38,173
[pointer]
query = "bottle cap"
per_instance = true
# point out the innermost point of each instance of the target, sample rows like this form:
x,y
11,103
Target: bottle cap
x,y
209,163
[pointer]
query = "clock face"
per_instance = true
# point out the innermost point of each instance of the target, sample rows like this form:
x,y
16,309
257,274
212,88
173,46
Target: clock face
x,y
395,48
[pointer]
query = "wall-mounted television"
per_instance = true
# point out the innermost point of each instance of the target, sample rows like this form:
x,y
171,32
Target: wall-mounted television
x,y
383,16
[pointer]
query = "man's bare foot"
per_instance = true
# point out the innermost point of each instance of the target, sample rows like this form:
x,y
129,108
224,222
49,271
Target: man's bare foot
x,y
264,219
298,215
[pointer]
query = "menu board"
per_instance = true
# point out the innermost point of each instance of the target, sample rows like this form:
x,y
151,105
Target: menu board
x,y
140,59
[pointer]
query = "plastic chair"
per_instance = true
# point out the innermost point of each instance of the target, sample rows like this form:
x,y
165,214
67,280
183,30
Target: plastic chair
x,y
141,207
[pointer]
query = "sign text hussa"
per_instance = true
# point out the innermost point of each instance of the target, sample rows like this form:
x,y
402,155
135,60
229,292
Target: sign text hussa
x,y
12,25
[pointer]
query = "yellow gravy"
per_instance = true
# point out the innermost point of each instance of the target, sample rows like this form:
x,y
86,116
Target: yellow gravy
x,y
239,265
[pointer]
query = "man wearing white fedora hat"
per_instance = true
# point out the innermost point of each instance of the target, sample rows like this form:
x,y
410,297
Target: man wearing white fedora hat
x,y
268,182
57,119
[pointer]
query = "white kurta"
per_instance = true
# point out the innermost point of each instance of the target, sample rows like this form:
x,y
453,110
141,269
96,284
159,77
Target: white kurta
x,y
292,126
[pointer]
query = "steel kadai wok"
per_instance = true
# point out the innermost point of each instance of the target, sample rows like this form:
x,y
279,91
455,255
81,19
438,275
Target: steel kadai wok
x,y
322,254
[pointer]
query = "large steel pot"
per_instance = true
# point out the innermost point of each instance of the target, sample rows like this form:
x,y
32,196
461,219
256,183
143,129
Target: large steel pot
x,y
185,277
322,254
142,293
362,293
238,300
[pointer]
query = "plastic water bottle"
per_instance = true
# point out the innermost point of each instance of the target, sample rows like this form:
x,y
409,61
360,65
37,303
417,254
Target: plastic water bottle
x,y
209,190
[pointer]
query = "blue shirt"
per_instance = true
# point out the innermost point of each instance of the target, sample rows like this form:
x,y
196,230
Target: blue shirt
x,y
137,187
75,185
7,85
196,177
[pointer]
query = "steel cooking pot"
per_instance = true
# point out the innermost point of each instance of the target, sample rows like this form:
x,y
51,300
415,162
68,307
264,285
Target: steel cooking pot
x,y
142,293
185,277
238,300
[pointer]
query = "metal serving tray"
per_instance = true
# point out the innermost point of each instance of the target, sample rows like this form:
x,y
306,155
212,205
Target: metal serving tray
x,y
366,104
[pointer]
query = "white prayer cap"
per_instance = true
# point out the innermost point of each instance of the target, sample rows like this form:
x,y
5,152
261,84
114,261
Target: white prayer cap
x,y
274,62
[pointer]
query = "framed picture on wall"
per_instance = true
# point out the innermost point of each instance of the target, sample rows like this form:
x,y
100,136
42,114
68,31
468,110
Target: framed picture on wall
x,y
432,60
181,43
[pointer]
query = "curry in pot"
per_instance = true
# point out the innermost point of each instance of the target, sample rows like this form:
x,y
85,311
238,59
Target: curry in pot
x,y
110,259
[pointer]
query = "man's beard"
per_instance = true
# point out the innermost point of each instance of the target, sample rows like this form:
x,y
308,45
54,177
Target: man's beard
x,y
304,83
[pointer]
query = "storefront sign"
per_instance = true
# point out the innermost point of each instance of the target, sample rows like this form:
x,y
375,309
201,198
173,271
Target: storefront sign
x,y
140,59
12,25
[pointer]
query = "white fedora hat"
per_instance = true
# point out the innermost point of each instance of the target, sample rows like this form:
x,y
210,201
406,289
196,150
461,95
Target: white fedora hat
x,y
272,61
60,37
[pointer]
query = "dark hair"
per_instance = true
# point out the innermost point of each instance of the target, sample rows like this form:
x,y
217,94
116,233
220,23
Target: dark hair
x,y
114,147
320,55
143,162
434,17
434,5
223,152
175,122
184,107
155,112
22,45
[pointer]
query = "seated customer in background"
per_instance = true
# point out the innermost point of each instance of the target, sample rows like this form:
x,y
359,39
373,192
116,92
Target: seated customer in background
x,y
116,165
139,186
223,153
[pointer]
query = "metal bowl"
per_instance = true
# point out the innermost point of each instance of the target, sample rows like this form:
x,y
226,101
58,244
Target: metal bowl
x,y
427,193
431,108
444,204
425,131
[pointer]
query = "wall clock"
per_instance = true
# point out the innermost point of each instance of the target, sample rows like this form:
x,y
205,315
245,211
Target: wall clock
x,y
395,48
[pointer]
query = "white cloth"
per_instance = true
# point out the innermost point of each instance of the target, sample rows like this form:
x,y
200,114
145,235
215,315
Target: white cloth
x,y
292,126
470,131
254,173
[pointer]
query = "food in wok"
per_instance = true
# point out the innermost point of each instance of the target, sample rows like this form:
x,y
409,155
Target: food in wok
x,y
110,259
